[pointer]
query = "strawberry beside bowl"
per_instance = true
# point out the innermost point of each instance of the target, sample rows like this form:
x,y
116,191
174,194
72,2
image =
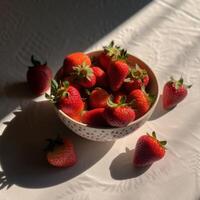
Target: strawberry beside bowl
x,y
103,134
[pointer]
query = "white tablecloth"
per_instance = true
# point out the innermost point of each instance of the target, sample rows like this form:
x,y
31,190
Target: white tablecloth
x,y
163,33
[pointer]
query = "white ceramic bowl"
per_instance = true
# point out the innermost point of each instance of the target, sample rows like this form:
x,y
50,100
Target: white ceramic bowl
x,y
111,133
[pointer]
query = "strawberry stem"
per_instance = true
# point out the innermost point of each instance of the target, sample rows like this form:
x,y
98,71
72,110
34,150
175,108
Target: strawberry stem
x,y
52,143
162,143
115,52
57,91
179,83
82,71
111,104
34,61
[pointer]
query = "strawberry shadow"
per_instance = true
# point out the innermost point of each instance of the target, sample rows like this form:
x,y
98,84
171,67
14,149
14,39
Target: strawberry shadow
x,y
159,110
18,90
122,167
22,157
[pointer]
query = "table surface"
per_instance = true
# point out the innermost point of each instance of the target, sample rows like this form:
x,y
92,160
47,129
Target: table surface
x,y
163,33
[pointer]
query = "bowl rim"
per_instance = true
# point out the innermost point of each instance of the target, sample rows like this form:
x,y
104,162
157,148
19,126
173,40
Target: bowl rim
x,y
131,123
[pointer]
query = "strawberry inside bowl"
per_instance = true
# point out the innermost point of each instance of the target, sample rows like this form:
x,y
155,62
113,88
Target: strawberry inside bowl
x,y
112,101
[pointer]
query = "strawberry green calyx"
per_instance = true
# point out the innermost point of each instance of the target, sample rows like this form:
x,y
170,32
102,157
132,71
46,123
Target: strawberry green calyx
x,y
82,71
162,143
115,52
36,62
123,55
112,50
57,91
179,83
94,60
111,104
138,73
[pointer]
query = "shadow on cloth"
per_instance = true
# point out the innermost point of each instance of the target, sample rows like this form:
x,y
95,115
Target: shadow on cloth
x,y
21,149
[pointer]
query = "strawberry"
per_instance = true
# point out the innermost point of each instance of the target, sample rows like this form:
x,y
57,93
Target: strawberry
x,y
137,79
111,52
72,82
117,73
148,150
39,77
141,101
60,153
105,60
67,98
94,117
118,115
174,92
118,96
84,75
98,98
101,77
74,59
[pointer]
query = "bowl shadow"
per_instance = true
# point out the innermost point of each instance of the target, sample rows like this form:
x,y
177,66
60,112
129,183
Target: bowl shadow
x,y
18,90
21,149
122,166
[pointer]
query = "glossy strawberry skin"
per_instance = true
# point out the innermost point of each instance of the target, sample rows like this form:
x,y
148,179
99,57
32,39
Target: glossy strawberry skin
x,y
120,116
173,96
140,102
98,98
101,77
74,59
71,104
88,83
147,151
104,61
117,73
136,84
94,117
39,79
63,155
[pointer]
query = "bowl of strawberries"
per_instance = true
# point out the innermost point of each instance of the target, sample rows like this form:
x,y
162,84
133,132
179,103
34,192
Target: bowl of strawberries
x,y
104,95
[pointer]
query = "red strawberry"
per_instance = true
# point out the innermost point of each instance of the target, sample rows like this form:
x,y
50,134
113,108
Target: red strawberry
x,y
111,52
148,150
66,97
84,75
72,82
118,96
104,60
75,59
117,73
118,115
60,153
137,79
101,77
174,92
98,98
39,77
94,117
141,101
